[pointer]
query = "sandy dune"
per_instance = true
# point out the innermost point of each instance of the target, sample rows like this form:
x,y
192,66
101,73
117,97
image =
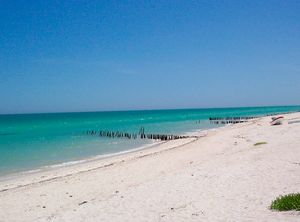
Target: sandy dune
x,y
221,176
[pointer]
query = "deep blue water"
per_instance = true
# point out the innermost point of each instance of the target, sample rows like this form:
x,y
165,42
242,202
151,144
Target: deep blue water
x,y
32,141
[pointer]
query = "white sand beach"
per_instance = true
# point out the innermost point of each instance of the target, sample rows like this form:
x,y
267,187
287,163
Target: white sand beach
x,y
220,176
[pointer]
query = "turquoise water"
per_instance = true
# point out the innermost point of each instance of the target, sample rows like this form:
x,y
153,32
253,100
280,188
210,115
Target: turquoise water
x,y
32,141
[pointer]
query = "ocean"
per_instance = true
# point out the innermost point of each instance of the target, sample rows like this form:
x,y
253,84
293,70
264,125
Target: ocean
x,y
32,142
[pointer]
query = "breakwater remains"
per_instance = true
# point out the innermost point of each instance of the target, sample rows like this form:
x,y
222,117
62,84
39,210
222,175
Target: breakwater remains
x,y
143,135
140,135
228,120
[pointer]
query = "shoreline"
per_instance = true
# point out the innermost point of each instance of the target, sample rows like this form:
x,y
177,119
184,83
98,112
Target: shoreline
x,y
100,157
91,164
44,169
220,175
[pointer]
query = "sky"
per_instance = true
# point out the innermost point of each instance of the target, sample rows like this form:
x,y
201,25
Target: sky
x,y
78,56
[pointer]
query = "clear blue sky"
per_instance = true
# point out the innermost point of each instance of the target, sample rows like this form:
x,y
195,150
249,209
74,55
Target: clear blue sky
x,y
65,56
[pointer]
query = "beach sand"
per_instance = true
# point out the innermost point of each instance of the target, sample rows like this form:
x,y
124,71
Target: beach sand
x,y
220,176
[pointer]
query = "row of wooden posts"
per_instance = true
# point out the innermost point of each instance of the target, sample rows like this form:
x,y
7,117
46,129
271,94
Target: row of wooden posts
x,y
228,120
274,114
112,134
134,136
231,118
142,135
